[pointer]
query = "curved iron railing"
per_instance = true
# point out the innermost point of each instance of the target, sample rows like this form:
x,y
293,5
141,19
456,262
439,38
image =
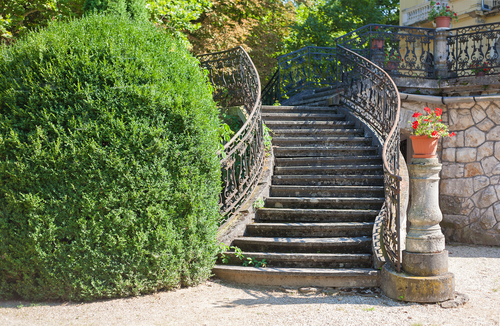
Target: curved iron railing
x,y
374,98
271,92
236,82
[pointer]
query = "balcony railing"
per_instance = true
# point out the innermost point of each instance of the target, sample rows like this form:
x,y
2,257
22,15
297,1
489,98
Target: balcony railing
x,y
419,13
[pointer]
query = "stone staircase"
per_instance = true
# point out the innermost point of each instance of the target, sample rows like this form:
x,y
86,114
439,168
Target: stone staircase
x,y
327,188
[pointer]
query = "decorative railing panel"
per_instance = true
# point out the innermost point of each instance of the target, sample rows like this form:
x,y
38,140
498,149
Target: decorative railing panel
x,y
401,51
308,68
474,50
374,98
236,82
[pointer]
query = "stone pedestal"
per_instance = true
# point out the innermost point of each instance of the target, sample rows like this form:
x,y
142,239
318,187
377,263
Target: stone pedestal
x,y
440,63
425,261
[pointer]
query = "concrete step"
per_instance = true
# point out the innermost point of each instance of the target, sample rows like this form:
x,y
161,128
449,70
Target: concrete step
x,y
324,203
301,245
298,109
289,215
328,180
309,151
317,132
305,260
302,116
361,169
335,124
299,277
303,161
321,141
310,230
326,191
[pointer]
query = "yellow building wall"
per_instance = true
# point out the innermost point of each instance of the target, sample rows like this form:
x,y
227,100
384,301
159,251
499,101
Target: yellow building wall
x,y
466,10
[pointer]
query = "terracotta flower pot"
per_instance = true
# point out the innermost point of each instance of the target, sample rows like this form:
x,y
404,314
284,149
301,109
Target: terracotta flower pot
x,y
378,43
391,65
480,73
424,147
443,21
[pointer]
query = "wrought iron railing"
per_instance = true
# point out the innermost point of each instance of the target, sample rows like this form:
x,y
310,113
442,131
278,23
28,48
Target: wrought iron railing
x,y
236,82
373,97
474,50
271,93
401,51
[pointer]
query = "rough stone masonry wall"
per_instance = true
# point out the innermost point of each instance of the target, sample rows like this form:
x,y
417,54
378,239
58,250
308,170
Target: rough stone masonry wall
x,y
470,179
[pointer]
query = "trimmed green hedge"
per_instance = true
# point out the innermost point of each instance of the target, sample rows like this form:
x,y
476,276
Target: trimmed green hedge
x,y
109,178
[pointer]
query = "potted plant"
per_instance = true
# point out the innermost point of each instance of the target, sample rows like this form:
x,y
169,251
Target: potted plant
x,y
378,39
480,69
441,14
427,129
392,60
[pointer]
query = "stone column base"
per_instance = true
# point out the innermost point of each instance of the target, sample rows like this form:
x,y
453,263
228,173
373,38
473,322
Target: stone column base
x,y
425,264
424,289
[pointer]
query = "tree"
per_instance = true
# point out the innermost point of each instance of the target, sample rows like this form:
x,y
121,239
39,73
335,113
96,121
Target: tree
x,y
136,9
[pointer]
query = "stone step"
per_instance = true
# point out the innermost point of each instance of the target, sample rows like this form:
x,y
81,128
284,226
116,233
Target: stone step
x,y
321,93
301,245
326,191
279,215
309,151
330,124
328,180
302,116
298,109
304,260
299,277
361,169
303,161
324,203
321,141
310,230
317,132
320,99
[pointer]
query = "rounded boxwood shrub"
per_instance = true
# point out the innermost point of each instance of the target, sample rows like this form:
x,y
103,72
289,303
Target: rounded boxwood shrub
x,y
109,178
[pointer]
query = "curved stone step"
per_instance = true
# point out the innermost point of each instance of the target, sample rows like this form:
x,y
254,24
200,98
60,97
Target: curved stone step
x,y
305,260
326,191
309,151
300,141
275,124
361,169
298,109
299,277
328,180
360,244
303,116
342,160
318,132
310,230
329,202
276,215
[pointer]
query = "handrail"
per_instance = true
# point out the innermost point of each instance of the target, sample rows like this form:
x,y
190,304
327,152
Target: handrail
x,y
236,82
374,98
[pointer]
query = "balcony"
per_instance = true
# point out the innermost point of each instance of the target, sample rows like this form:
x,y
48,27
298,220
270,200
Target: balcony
x,y
420,13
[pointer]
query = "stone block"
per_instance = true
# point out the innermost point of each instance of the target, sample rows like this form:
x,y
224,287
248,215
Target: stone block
x,y
494,134
478,114
454,221
474,216
494,180
467,206
486,124
474,137
457,187
487,197
449,204
483,104
466,155
473,169
448,154
485,150
451,171
460,119
489,165
496,211
480,183
488,219
497,150
457,141
493,113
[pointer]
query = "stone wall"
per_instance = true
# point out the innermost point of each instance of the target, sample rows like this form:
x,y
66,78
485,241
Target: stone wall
x,y
470,179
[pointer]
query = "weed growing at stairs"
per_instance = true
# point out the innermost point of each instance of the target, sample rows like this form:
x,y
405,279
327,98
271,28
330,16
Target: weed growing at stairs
x,y
267,139
246,261
259,203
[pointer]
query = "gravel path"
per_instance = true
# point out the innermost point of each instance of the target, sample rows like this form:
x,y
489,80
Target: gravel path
x,y
476,269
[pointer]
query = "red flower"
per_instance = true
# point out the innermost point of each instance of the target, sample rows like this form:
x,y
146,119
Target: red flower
x,y
415,124
416,114
434,133
426,120
452,134
455,14
438,112
426,109
376,27
437,3
440,120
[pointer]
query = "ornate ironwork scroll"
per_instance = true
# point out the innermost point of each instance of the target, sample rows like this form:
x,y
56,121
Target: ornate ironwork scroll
x,y
474,50
401,51
374,98
236,82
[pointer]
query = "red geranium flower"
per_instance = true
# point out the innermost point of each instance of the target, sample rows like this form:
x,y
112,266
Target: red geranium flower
x,y
434,133
426,109
452,134
416,114
415,124
439,112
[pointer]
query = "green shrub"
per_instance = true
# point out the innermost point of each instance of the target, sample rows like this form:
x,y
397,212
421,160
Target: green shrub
x,y
135,9
109,180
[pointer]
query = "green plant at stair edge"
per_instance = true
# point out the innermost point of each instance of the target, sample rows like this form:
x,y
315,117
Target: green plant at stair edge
x,y
223,248
267,139
259,203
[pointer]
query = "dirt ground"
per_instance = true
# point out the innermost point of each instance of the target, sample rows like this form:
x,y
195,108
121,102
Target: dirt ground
x,y
476,269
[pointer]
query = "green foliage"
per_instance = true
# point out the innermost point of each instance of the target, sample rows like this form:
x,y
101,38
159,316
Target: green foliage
x,y
239,254
178,15
259,203
267,138
109,179
135,9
